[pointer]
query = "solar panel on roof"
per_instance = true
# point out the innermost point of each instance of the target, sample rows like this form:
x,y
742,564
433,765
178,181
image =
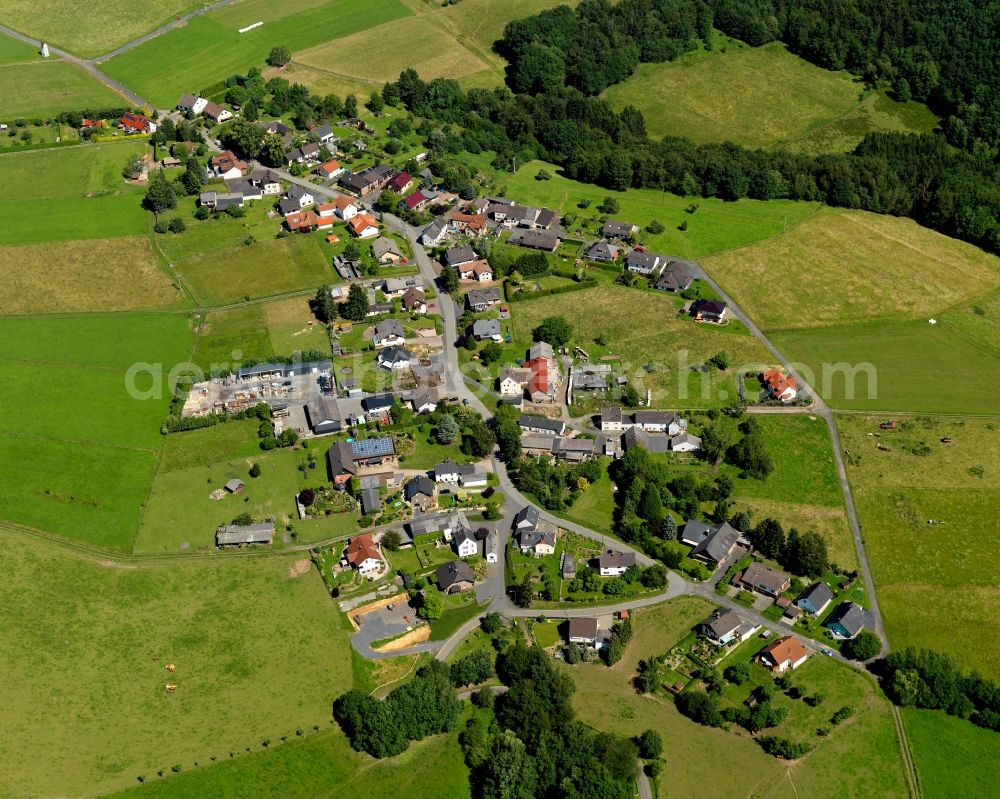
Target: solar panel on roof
x,y
372,447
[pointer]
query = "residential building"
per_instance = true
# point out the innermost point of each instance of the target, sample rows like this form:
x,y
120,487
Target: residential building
x,y
659,422
420,492
614,564
712,543
378,406
725,627
401,182
416,202
480,300
526,518
324,134
217,113
641,262
191,104
848,619
536,240
488,541
238,535
330,169
513,381
675,276
394,358
785,654
714,311
763,579
780,386
455,577
306,154
268,182
604,252
373,456
619,230
386,251
459,256
387,333
136,123
414,301
219,201
478,270
486,329
302,221
582,631
468,224
568,568
464,543
363,226
300,196
684,442
815,599
346,208
363,554
451,472
539,542
434,233
367,181
542,425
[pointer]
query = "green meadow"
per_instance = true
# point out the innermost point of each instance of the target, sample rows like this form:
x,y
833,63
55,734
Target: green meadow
x,y
257,644
78,450
14,50
715,225
45,88
936,583
952,756
298,24
762,97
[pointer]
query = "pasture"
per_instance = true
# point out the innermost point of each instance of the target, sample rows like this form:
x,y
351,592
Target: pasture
x,y
46,88
322,767
657,348
299,24
939,742
14,50
79,450
936,583
859,756
896,366
259,331
262,269
838,267
85,709
94,30
761,97
119,274
715,225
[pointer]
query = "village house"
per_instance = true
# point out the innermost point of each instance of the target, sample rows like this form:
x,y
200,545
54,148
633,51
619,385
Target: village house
x,y
363,554
368,457
395,358
619,230
712,543
388,332
220,201
363,226
414,301
513,380
191,104
136,123
455,577
329,170
468,224
266,181
217,113
386,251
480,300
300,198
762,579
714,311
604,252
725,627
526,518
540,388
785,654
464,543
539,542
238,535
434,233
536,240
676,275
459,256
400,183
815,599
226,165
378,407
303,222
613,419
367,181
614,564
642,263
416,202
370,501
478,270
324,134
483,329
346,208
779,386
582,631
306,154
420,492
848,619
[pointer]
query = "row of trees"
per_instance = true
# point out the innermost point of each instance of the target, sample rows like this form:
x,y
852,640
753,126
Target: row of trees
x,y
800,553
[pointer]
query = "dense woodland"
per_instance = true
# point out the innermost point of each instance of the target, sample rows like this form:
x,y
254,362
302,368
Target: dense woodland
x,y
560,58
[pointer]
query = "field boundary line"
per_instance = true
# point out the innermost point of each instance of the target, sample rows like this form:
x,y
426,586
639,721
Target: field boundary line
x,y
343,75
64,439
820,208
165,263
912,778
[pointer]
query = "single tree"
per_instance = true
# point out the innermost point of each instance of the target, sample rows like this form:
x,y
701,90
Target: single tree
x,y
555,330
160,196
650,745
355,307
864,646
255,470
279,56
447,429
431,605
391,540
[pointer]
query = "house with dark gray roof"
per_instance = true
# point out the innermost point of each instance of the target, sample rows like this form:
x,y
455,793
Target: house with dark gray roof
x,y
676,275
712,543
486,329
370,501
763,579
538,542
848,619
542,425
815,598
455,577
582,631
536,240
526,518
725,627
456,256
642,263
603,251
614,564
480,300
619,230
420,491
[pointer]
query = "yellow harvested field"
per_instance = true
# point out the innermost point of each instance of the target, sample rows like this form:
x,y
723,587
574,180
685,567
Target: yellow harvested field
x,y
840,267
830,523
409,42
118,274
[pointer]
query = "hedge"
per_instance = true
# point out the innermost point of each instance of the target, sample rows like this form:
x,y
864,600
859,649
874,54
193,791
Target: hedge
x,y
531,295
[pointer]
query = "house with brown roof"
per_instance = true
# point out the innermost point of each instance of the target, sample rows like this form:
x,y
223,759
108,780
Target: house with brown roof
x,y
217,113
582,631
614,564
714,311
226,165
414,301
762,579
363,554
537,240
785,654
479,271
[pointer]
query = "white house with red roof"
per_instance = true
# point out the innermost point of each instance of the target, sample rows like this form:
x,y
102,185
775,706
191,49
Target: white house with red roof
x,y
779,385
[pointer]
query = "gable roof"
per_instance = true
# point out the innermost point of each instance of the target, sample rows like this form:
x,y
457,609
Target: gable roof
x,y
360,548
851,616
486,328
762,575
610,559
784,650
722,623
372,447
718,542
777,382
817,594
383,245
528,515
359,223
483,296
413,297
456,256
557,426
457,571
529,539
388,328
418,485
582,627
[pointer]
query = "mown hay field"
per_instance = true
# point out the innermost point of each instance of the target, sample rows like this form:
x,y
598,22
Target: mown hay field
x,y
46,88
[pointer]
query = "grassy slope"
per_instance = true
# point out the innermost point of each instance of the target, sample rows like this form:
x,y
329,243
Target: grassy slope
x,y
45,88
297,24
936,583
92,31
258,654
14,50
953,757
94,275
77,457
842,765
716,225
761,97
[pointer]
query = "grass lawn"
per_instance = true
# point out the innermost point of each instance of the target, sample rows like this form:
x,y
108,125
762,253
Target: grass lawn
x,y
96,275
860,755
761,97
14,50
79,450
716,226
85,708
258,332
299,24
323,767
595,506
262,269
649,334
92,31
212,444
936,584
872,366
877,267
453,618
546,634
46,88
952,756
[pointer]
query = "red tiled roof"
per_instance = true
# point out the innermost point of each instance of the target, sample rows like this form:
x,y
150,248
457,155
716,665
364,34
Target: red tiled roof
x,y
301,220
360,549
777,382
414,200
539,375
401,181
786,649
135,121
329,167
361,221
